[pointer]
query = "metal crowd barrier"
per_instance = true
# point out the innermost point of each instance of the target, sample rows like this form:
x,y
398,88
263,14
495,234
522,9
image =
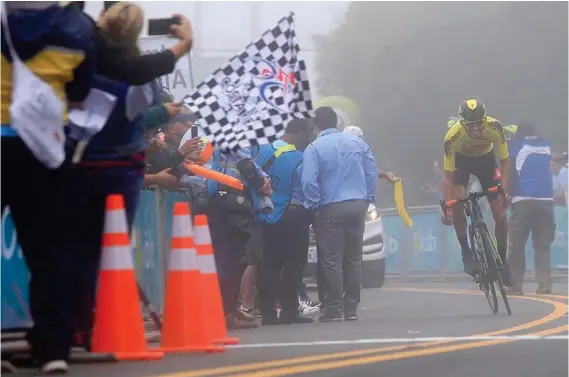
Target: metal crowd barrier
x,y
428,247
431,247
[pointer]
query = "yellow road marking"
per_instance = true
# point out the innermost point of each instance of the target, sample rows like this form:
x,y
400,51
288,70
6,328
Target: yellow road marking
x,y
559,311
389,357
546,296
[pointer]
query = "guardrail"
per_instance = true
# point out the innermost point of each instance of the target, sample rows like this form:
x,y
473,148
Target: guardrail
x,y
427,247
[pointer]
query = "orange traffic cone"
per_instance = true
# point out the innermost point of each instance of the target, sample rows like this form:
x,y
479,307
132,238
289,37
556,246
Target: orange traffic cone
x,y
209,283
119,327
185,324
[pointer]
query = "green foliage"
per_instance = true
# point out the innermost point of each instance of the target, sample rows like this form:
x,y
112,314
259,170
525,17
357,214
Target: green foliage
x,y
409,65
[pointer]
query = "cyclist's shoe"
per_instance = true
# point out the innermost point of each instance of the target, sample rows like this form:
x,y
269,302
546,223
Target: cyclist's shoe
x,y
507,278
469,264
543,290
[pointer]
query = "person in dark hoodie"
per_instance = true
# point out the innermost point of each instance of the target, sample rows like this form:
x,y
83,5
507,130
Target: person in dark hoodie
x,y
113,163
56,44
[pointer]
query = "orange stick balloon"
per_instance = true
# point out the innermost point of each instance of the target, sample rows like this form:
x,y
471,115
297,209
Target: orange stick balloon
x,y
216,176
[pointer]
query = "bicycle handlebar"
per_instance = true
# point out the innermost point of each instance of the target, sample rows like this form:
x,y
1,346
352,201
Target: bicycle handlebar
x,y
472,196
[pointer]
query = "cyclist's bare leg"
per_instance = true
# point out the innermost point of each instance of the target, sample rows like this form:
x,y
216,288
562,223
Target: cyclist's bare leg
x,y
458,216
459,223
501,226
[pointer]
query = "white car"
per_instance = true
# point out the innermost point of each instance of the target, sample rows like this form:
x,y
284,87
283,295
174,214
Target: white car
x,y
373,269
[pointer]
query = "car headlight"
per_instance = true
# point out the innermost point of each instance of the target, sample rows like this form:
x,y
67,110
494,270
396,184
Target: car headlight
x,y
371,215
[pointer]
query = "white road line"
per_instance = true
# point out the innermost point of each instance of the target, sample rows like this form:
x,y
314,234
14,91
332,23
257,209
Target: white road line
x,y
402,340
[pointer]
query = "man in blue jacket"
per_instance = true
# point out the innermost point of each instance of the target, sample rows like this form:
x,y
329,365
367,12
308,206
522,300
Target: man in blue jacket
x,y
339,180
531,188
285,230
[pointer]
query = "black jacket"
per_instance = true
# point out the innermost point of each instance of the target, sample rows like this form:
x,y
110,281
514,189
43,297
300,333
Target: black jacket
x,y
117,63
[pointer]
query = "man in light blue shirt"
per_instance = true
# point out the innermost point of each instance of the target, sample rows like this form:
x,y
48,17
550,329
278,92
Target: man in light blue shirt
x,y
339,180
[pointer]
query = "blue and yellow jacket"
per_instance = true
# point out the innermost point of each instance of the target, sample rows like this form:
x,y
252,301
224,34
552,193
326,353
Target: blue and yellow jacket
x,y
283,163
56,44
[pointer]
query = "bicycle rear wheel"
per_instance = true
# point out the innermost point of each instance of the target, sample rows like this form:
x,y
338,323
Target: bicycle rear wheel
x,y
497,262
486,284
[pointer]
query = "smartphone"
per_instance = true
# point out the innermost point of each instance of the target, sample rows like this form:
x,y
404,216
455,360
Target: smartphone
x,y
161,26
108,4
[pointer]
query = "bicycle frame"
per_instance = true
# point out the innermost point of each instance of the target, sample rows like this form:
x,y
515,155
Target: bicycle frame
x,y
483,247
473,211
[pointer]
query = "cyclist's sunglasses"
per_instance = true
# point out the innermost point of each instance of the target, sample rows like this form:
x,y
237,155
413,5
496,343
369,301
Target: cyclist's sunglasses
x,y
473,124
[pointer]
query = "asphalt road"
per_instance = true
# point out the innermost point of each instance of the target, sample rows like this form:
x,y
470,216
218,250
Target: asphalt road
x,y
404,330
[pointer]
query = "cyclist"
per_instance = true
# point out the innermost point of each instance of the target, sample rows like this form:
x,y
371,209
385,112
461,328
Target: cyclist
x,y
468,149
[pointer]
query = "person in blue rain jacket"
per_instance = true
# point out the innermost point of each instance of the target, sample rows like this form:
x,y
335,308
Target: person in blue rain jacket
x,y
285,230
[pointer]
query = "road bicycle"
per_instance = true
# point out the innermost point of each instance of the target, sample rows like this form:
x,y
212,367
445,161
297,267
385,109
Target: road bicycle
x,y
488,275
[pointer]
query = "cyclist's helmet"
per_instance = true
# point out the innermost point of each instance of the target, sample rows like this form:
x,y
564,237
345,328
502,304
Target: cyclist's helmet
x,y
472,111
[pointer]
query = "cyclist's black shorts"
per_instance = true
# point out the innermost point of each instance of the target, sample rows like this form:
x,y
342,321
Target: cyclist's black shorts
x,y
483,167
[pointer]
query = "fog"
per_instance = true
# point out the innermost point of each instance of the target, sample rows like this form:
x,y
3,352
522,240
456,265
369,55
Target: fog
x,y
407,66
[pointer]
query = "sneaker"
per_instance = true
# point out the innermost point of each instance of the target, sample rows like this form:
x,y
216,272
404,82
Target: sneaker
x,y
234,323
304,310
55,367
350,316
469,264
252,311
243,315
312,304
543,290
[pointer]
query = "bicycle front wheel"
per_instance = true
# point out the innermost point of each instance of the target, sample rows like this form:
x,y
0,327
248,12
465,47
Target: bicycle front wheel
x,y
491,296
486,282
497,262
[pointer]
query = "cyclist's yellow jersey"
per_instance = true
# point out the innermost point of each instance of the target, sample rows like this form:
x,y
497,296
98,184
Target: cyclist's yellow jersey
x,y
458,141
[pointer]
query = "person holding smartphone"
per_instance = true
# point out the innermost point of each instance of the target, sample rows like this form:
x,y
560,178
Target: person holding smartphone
x,y
113,159
118,62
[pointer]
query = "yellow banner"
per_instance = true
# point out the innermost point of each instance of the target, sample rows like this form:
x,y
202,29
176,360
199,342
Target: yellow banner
x,y
400,202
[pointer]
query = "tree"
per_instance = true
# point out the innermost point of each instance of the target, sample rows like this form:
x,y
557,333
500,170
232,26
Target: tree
x,y
409,65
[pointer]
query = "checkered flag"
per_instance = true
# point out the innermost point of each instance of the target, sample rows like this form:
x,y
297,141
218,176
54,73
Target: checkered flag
x,y
251,100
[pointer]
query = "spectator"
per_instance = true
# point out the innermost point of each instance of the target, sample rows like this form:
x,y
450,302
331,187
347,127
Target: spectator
x,y
233,228
560,177
532,206
162,179
285,230
112,163
387,175
58,41
116,61
158,115
170,155
339,180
